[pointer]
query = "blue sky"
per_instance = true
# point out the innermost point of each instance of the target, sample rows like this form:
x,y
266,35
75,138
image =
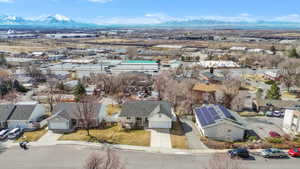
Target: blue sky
x,y
153,11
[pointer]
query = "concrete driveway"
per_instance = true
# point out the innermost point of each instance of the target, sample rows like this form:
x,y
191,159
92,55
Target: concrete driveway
x,y
48,138
193,135
161,138
263,125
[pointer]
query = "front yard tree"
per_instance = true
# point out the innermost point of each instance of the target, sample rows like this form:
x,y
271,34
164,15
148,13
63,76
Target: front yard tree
x,y
274,92
86,109
288,73
50,97
79,91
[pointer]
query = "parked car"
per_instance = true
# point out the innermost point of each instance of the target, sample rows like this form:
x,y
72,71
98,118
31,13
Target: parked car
x,y
269,113
274,114
239,152
273,152
294,152
3,134
15,133
277,114
274,134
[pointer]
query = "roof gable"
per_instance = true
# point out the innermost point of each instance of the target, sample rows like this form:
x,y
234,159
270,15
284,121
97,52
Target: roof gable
x,y
213,114
70,110
22,112
6,111
145,108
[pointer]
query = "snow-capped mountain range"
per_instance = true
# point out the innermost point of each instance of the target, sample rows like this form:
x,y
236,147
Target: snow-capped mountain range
x,y
60,21
42,21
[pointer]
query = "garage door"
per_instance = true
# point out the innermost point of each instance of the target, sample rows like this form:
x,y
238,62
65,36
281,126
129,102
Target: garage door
x,y
58,125
160,124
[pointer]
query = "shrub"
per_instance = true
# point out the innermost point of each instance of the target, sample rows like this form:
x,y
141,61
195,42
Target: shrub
x,y
287,137
275,140
270,82
252,138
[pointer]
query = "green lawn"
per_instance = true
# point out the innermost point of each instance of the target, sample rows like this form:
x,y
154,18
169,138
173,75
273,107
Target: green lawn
x,y
113,135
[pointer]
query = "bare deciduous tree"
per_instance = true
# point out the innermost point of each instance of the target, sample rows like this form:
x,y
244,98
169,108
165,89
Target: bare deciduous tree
x,y
87,108
107,159
238,102
230,89
288,73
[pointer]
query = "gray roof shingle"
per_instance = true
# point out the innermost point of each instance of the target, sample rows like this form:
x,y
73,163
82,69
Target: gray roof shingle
x,y
5,111
145,108
22,112
70,110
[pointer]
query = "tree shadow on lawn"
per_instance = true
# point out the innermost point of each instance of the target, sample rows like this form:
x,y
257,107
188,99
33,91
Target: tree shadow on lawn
x,y
94,139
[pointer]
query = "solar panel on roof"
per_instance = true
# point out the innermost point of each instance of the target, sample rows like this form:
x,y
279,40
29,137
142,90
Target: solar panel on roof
x,y
226,113
208,116
204,117
200,117
214,113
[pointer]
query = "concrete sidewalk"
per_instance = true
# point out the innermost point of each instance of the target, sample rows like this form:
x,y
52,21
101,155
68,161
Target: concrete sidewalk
x,y
131,148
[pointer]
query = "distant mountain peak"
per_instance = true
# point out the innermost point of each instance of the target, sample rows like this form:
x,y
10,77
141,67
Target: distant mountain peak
x,y
55,18
53,21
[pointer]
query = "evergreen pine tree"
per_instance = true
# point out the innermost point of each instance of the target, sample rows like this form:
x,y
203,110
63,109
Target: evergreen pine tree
x,y
293,53
274,92
79,91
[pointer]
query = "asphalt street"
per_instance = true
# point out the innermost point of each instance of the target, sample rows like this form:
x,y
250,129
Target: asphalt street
x,y
73,157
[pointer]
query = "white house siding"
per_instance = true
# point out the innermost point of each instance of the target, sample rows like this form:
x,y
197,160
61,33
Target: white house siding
x,y
38,111
160,121
287,120
59,125
225,131
291,122
17,123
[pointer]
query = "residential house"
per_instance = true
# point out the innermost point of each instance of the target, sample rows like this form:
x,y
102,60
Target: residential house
x,y
5,112
206,90
211,77
220,123
291,121
147,114
270,75
264,105
26,115
66,117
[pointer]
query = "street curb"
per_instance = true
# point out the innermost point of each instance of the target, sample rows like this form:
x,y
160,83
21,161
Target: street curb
x,y
134,148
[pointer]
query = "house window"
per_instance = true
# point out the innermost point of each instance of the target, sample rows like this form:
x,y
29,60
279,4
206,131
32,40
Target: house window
x,y
128,118
228,130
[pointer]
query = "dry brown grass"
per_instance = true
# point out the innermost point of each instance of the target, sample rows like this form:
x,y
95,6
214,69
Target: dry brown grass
x,y
32,135
178,138
113,109
113,135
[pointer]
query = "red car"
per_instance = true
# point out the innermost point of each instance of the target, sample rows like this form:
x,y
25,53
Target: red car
x,y
274,134
294,152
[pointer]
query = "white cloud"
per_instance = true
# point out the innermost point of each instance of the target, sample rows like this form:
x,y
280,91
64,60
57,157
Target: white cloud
x,y
100,1
289,18
7,1
156,18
